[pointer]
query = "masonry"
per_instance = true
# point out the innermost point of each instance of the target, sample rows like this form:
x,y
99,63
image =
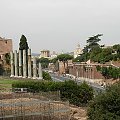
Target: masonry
x,y
5,47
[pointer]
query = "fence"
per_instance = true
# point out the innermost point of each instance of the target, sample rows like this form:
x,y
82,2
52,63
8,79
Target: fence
x,y
33,106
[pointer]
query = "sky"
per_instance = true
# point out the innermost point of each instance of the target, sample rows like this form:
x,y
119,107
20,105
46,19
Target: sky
x,y
59,25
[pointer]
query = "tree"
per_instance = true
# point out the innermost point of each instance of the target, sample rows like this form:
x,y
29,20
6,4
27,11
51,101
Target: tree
x,y
44,62
23,45
106,106
7,58
46,76
64,58
93,42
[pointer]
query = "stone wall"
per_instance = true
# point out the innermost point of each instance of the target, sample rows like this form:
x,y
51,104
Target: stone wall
x,y
85,71
5,47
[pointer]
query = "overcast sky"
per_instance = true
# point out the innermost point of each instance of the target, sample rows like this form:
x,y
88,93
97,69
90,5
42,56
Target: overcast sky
x,y
59,25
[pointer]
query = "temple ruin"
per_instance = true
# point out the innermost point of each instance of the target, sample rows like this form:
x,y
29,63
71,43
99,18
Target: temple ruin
x,y
22,66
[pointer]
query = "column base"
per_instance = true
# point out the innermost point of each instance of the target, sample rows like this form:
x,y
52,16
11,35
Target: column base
x,y
12,76
30,77
16,76
40,78
34,78
20,76
24,77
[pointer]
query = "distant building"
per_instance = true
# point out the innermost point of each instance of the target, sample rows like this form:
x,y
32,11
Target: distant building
x,y
5,47
78,51
45,54
53,55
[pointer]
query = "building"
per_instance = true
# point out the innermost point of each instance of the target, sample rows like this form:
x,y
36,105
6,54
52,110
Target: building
x,y
78,51
5,47
45,53
53,55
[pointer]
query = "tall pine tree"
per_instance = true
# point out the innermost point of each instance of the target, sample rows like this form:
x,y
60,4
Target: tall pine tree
x,y
23,45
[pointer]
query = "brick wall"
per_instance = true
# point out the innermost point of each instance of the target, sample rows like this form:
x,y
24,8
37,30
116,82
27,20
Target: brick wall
x,y
5,46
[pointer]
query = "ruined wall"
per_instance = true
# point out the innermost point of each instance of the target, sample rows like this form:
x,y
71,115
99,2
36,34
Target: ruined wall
x,y
85,71
5,46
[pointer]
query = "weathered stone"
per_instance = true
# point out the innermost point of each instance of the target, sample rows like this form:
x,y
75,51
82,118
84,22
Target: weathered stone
x,y
29,64
34,68
40,72
24,64
16,63
12,64
20,63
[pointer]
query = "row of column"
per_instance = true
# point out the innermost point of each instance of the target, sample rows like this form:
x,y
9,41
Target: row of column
x,y
19,63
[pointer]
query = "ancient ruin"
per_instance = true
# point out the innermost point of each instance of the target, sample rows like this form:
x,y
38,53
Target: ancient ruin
x,y
33,106
23,66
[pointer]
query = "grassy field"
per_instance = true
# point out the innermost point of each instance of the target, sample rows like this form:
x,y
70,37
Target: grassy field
x,y
6,83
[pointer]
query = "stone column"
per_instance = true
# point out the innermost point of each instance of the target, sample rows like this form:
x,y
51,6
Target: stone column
x,y
24,64
34,68
16,63
40,71
12,64
29,64
20,63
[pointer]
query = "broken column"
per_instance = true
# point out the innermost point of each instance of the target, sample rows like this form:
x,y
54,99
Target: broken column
x,y
24,64
16,63
20,63
34,68
40,71
29,64
12,64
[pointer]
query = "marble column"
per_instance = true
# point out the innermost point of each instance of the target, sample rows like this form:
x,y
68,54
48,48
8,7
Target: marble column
x,y
16,63
24,64
40,72
29,64
20,63
12,64
34,68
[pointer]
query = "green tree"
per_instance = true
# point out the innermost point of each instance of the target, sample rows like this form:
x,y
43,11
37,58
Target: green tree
x,y
106,106
46,76
93,41
64,58
23,45
44,62
7,58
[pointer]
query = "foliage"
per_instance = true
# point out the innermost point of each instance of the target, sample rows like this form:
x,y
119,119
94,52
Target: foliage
x,y
54,60
1,69
23,45
46,76
7,58
110,72
64,57
106,106
98,53
44,62
76,94
93,41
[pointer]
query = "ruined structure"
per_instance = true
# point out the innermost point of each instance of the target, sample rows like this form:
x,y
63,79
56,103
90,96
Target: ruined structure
x,y
5,47
37,106
21,67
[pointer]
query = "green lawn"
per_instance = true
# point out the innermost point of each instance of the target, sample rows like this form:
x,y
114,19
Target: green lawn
x,y
6,81
6,84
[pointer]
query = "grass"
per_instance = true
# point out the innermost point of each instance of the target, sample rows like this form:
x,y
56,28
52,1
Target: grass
x,y
6,83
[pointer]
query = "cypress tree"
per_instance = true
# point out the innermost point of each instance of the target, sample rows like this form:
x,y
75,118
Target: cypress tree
x,y
23,45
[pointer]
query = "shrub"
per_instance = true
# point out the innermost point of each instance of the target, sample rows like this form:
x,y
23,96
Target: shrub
x,y
69,90
106,106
